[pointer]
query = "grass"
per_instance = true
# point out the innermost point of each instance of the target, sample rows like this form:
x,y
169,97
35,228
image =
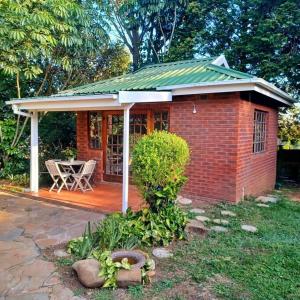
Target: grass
x,y
238,264
235,265
63,261
264,265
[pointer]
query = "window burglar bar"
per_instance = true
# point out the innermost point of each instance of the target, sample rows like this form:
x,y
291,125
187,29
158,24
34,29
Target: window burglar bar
x,y
260,131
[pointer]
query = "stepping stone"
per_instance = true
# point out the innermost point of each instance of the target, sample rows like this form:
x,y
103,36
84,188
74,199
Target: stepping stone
x,y
267,199
202,218
184,201
61,253
197,227
220,221
162,253
197,211
262,205
219,229
228,213
249,228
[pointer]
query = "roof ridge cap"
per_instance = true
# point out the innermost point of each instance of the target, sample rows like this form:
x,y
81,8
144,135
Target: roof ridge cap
x,y
227,71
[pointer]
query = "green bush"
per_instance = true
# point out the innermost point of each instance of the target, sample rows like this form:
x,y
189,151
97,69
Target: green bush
x,y
135,229
158,165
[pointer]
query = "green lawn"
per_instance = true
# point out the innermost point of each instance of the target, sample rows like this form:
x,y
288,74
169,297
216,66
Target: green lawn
x,y
234,265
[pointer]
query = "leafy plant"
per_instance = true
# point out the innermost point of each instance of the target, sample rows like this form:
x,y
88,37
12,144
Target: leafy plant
x,y
158,165
82,247
109,268
70,152
20,179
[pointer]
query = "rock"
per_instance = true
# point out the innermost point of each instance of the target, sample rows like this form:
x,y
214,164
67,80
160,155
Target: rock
x,y
228,213
151,273
249,228
127,278
184,201
219,229
162,253
262,205
266,199
202,218
12,234
87,271
197,211
221,221
197,227
61,253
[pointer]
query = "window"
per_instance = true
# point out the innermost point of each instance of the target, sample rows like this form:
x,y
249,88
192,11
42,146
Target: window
x,y
260,131
95,130
161,120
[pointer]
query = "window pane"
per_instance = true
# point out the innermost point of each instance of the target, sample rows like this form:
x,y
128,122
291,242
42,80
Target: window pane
x,y
161,120
95,130
259,131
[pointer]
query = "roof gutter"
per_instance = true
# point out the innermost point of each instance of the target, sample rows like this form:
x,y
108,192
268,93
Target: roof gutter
x,y
253,84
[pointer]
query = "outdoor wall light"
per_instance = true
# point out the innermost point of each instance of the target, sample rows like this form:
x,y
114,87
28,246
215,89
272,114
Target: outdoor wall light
x,y
194,109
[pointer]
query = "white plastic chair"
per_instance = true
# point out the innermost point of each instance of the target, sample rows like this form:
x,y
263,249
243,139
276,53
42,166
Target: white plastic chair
x,y
57,175
82,178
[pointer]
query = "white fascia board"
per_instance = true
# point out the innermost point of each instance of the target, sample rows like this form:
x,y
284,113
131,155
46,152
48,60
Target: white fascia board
x,y
144,97
221,61
231,86
70,103
62,98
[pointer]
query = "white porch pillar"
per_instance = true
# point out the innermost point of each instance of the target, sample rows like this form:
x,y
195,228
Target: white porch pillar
x,y
34,153
125,160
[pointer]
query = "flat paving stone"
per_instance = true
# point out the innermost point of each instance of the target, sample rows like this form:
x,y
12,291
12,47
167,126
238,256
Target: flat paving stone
x,y
197,211
220,221
249,228
12,234
202,218
184,201
27,226
162,253
219,229
262,205
228,213
266,199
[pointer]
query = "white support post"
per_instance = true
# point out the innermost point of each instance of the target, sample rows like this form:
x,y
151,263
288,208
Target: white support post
x,y
34,153
125,160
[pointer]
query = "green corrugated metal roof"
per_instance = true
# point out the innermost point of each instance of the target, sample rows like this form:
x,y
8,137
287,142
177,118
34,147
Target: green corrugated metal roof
x,y
158,75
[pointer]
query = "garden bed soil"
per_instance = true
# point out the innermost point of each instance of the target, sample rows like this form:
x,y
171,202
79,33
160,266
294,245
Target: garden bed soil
x,y
172,284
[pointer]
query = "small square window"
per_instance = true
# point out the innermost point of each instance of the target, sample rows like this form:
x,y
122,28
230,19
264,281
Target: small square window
x,y
259,131
161,120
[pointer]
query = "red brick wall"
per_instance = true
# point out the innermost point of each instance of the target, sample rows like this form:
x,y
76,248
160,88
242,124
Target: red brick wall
x,y
256,172
212,135
219,134
84,152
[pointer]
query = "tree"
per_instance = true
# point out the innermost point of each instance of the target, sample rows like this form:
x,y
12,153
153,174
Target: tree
x,y
258,36
289,126
46,46
145,27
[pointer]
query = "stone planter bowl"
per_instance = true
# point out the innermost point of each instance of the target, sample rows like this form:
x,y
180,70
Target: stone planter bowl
x,y
135,259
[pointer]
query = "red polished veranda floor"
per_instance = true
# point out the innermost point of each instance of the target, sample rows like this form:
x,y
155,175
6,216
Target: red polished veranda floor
x,y
106,197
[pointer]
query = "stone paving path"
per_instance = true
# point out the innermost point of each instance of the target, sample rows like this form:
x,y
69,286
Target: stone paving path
x,y
26,227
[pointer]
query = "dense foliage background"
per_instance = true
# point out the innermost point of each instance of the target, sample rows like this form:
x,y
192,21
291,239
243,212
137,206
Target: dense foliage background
x,y
49,46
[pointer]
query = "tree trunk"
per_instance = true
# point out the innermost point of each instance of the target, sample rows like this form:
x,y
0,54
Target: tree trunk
x,y
135,49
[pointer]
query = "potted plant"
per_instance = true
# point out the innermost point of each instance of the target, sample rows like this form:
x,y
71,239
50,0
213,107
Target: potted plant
x,y
70,153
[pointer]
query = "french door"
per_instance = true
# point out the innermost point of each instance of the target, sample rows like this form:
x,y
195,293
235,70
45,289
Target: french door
x,y
113,140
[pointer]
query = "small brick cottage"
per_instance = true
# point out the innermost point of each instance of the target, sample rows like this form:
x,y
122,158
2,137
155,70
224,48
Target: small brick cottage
x,y
228,118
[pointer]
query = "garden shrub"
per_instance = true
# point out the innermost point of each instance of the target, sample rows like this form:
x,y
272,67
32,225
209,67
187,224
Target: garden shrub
x,y
158,165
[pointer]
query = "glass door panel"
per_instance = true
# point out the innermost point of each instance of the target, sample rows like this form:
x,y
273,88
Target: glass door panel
x,y
114,145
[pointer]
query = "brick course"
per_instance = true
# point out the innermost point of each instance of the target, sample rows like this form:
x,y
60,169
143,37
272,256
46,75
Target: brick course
x,y
219,134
